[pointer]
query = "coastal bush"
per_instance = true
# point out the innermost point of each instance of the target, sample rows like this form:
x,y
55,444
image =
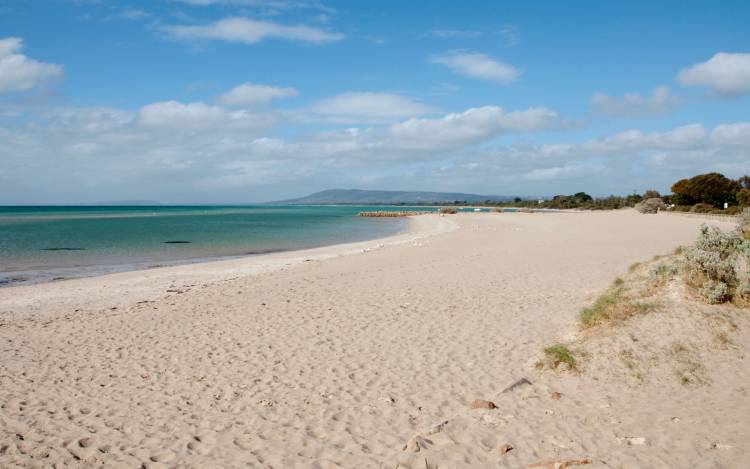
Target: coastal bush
x,y
733,210
651,205
714,292
713,189
743,223
717,266
662,273
743,197
448,210
702,208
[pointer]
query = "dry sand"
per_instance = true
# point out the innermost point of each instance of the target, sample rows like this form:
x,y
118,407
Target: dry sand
x,y
344,356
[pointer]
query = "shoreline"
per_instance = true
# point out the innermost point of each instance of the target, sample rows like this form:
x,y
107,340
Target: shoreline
x,y
153,278
41,275
95,245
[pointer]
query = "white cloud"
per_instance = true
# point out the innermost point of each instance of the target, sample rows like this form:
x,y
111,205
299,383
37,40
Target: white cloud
x,y
472,125
276,4
89,119
621,162
660,101
564,172
687,136
249,94
227,155
451,33
368,106
186,116
133,14
736,134
248,31
203,3
507,32
19,72
727,73
477,65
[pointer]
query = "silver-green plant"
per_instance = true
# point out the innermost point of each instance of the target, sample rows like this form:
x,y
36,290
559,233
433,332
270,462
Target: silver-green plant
x,y
717,265
743,223
664,270
714,291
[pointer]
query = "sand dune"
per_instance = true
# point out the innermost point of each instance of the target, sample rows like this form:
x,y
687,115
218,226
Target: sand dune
x,y
358,356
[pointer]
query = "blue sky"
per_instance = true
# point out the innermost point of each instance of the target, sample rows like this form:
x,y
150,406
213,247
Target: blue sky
x,y
218,101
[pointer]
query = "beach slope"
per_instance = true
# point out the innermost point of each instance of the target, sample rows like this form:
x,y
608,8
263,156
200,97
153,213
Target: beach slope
x,y
366,355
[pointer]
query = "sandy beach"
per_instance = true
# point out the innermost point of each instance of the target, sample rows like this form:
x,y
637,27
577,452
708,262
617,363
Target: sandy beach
x,y
362,355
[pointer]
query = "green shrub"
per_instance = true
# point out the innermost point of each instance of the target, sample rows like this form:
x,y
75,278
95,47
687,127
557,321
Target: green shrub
x,y
560,354
662,273
448,210
743,197
733,210
702,208
715,291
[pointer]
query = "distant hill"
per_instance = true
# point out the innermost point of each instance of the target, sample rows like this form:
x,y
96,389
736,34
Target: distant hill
x,y
364,197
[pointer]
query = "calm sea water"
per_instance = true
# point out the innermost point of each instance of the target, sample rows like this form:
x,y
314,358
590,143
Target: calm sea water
x,y
44,243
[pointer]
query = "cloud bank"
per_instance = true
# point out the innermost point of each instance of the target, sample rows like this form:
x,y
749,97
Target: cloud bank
x,y
660,101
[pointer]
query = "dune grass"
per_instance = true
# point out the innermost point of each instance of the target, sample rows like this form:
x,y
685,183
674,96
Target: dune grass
x,y
601,309
613,305
560,354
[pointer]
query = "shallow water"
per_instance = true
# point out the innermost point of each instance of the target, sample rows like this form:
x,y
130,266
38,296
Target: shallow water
x,y
45,243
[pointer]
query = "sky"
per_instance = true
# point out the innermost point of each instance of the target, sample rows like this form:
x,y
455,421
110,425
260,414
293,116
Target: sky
x,y
242,101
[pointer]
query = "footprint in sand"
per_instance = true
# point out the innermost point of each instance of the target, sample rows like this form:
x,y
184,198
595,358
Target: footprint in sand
x,y
244,441
163,456
201,444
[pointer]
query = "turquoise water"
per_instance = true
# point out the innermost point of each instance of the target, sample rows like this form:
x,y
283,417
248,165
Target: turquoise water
x,y
45,243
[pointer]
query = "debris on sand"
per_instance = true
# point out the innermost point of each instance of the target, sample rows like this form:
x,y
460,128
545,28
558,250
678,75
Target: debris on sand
x,y
517,384
482,404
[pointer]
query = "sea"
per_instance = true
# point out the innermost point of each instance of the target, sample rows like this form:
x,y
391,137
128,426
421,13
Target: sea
x,y
45,243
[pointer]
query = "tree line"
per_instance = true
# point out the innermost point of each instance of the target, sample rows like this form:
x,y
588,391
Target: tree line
x,y
702,193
